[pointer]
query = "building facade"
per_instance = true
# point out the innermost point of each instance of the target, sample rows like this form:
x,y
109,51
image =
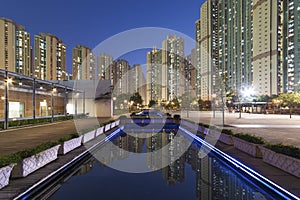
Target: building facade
x,y
120,74
105,65
50,57
154,76
267,47
15,48
137,81
291,40
172,67
190,72
198,61
235,43
83,63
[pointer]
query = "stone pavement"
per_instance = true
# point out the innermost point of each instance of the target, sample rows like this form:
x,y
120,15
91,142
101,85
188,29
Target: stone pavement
x,y
273,128
18,139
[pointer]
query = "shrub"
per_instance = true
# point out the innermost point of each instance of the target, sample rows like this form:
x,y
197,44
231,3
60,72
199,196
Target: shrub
x,y
177,117
285,149
204,125
68,137
250,138
17,157
227,131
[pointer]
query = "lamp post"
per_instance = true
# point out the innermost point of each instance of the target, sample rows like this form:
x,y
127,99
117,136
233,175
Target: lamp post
x,y
125,104
223,108
213,104
6,103
52,103
113,104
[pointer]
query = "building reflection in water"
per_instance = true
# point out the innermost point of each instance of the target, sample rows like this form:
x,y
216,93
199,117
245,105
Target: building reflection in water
x,y
213,179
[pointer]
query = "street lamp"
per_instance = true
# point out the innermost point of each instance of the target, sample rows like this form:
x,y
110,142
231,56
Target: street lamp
x,y
125,104
6,104
52,104
213,104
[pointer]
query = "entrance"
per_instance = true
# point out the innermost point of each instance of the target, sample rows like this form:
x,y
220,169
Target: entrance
x,y
43,109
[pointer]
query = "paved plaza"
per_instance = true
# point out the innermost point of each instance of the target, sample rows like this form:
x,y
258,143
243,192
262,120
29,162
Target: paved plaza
x,y
273,128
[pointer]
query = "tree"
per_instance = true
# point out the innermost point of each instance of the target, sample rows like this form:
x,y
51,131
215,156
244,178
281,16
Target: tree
x,y
289,100
187,99
136,98
201,104
152,103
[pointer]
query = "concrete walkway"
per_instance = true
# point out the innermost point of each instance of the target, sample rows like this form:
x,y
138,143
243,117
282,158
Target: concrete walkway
x,y
273,128
18,139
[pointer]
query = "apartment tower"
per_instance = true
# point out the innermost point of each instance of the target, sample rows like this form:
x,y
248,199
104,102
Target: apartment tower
x,y
105,65
83,66
50,57
15,49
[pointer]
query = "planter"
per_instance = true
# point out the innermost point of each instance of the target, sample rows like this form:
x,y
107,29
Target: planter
x,y
226,139
99,131
113,124
206,131
88,136
69,145
4,175
107,127
199,129
33,163
247,147
281,161
186,123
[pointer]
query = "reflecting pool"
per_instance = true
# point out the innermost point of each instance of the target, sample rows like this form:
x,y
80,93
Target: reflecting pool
x,y
192,175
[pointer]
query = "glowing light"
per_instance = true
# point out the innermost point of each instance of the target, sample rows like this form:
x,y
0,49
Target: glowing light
x,y
243,168
9,80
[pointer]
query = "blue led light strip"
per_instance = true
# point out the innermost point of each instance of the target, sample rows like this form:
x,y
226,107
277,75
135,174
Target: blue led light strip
x,y
256,176
26,194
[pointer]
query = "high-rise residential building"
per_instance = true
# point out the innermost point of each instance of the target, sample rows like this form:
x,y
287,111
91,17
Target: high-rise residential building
x,y
291,45
235,35
121,76
137,81
83,66
15,49
205,69
190,72
207,50
198,62
267,47
154,76
165,70
105,63
250,44
172,67
50,57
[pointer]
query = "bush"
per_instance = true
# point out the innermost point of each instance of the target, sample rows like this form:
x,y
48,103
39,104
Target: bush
x,y
250,138
19,156
227,131
25,122
204,125
69,137
285,149
177,117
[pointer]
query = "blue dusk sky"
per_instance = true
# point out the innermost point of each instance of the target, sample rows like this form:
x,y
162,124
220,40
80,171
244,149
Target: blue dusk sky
x,y
91,22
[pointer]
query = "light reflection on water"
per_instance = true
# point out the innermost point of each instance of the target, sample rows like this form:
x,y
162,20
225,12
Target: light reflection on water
x,y
189,177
